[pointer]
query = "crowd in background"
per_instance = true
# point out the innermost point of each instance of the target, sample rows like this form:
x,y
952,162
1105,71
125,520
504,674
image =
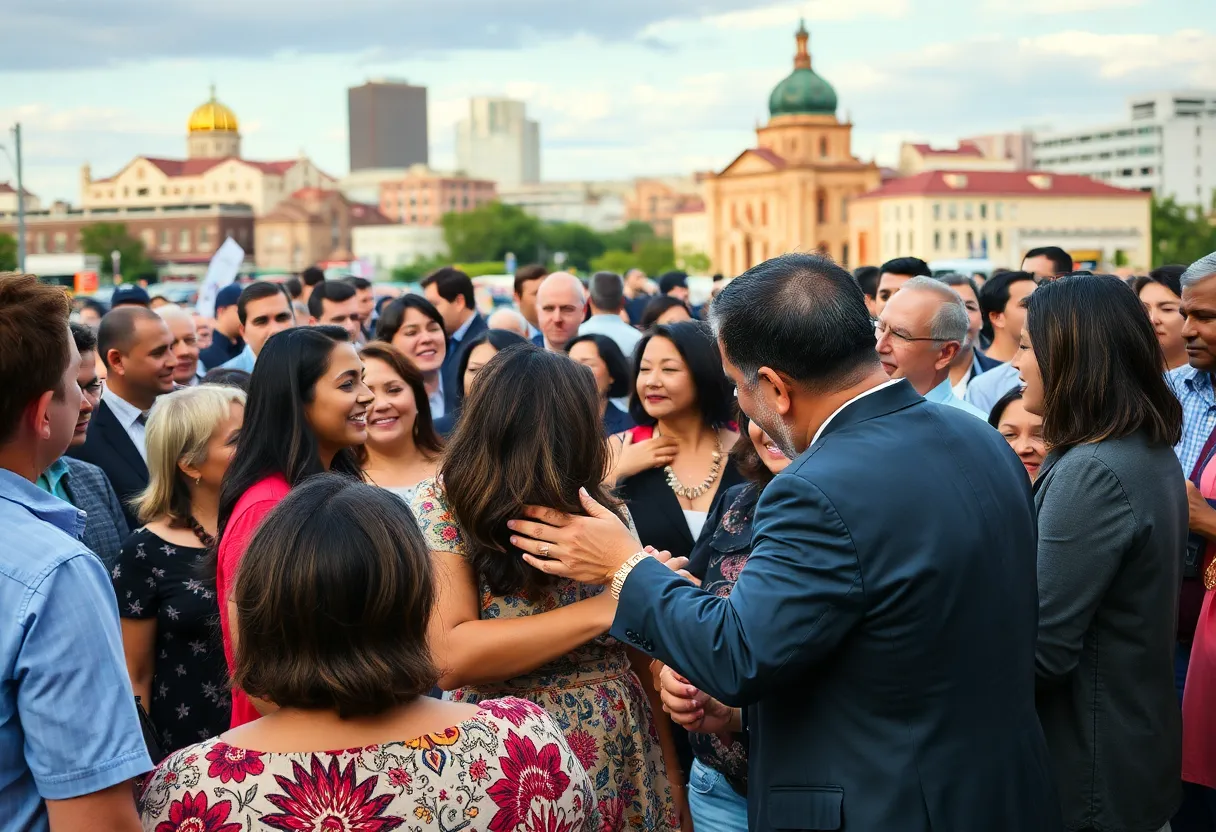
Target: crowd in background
x,y
232,545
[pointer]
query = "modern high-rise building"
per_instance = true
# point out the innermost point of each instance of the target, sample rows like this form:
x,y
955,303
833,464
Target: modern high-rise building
x,y
388,126
1167,146
498,142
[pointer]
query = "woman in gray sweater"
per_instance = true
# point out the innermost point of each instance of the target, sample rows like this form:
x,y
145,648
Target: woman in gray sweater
x,y
1112,511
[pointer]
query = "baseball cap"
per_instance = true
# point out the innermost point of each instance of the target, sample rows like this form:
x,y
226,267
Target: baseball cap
x,y
130,294
671,280
228,296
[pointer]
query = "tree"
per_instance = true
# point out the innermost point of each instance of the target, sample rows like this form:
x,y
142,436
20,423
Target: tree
x,y
614,261
1181,233
490,231
101,238
691,260
629,237
8,253
579,243
656,256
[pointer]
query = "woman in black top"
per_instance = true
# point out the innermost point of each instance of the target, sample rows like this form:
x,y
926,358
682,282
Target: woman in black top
x,y
168,611
717,787
607,363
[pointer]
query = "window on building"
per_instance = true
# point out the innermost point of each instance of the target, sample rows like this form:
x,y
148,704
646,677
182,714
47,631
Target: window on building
x,y
203,237
40,243
335,231
996,210
844,209
60,242
899,244
1000,242
844,254
983,210
138,192
953,210
937,241
953,241
821,208
126,191
968,211
149,238
937,210
162,239
970,243
183,241
823,147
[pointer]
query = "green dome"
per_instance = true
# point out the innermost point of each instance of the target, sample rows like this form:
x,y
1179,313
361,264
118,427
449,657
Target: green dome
x,y
802,93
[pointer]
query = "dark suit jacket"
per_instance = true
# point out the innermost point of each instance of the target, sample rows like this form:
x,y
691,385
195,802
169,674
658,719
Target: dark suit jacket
x,y
657,512
882,635
105,526
985,363
616,420
451,361
109,448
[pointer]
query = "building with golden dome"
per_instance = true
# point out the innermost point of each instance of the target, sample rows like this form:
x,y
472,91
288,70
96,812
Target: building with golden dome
x,y
213,172
790,192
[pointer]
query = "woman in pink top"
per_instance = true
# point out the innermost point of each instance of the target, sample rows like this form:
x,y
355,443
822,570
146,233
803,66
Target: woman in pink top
x,y
307,408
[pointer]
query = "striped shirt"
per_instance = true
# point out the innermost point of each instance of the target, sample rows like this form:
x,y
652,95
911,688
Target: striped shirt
x,y
1194,390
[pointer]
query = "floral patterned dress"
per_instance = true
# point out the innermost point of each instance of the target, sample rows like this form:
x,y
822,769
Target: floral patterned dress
x,y
506,769
591,692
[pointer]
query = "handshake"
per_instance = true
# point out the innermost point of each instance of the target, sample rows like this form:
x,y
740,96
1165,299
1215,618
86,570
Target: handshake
x,y
692,709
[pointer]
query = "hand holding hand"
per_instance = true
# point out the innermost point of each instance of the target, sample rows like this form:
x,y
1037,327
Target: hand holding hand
x,y
693,709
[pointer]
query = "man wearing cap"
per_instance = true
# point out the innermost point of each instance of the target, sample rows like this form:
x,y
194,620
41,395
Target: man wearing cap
x,y
130,294
226,340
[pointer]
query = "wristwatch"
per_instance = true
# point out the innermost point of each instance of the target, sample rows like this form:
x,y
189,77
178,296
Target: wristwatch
x,y
618,580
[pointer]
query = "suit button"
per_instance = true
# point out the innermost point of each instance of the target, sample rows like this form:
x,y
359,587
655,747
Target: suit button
x,y
631,635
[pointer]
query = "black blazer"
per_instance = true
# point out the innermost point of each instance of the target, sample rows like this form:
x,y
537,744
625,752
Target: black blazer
x,y
109,448
451,362
657,512
882,636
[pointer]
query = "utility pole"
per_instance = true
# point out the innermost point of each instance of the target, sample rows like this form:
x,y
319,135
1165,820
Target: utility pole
x,y
20,201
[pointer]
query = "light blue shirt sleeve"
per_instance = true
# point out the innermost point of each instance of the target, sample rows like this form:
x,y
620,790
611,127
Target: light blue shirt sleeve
x,y
74,698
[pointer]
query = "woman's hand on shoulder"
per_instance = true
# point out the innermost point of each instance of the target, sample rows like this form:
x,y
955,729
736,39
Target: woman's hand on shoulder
x,y
636,457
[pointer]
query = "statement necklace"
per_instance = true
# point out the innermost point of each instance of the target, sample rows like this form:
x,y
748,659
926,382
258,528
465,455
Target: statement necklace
x,y
207,540
692,492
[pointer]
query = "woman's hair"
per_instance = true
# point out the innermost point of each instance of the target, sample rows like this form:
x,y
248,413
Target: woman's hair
x,y
614,360
393,316
228,377
499,339
530,435
179,429
656,306
998,409
425,437
1168,276
276,437
1100,363
333,598
696,345
745,456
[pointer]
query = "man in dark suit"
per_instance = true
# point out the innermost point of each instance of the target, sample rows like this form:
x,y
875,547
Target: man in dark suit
x,y
878,648
451,292
136,348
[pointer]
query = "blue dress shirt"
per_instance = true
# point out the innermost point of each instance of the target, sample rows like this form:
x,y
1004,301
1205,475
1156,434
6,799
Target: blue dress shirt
x,y
986,390
68,724
944,394
1194,391
244,361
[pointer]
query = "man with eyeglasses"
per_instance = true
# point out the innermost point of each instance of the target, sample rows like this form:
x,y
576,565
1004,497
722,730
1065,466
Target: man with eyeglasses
x,y
920,332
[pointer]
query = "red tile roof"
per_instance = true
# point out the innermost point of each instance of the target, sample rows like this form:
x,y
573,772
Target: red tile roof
x,y
998,183
965,148
6,188
196,167
768,156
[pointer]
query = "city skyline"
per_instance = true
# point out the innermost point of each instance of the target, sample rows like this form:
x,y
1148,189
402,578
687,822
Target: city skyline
x,y
653,91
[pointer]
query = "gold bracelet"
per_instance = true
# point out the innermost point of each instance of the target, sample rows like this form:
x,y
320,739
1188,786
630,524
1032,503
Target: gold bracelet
x,y
618,580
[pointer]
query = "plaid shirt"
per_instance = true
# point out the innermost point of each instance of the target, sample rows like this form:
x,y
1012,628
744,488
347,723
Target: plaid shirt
x,y
1194,390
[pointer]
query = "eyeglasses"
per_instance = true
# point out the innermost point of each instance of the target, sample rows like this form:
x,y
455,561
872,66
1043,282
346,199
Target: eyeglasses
x,y
881,329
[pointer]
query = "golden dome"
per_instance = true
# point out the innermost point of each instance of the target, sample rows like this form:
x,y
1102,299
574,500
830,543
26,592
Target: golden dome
x,y
212,117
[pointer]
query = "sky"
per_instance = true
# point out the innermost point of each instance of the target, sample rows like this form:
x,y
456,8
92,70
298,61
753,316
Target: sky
x,y
621,88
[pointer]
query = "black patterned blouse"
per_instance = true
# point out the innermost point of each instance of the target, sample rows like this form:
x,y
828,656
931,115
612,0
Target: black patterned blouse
x,y
156,579
717,560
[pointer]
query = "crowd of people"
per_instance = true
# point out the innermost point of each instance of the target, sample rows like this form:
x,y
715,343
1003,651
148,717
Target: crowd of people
x,y
862,551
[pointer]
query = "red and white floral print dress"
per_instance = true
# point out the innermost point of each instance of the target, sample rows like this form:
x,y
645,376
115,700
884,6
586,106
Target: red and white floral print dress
x,y
506,769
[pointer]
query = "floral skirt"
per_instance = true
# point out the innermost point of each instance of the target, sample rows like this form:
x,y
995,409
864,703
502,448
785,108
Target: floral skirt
x,y
608,722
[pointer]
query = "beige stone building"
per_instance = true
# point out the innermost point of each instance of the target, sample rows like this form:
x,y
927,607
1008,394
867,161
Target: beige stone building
x,y
311,226
212,172
423,196
792,192
999,215
657,200
917,158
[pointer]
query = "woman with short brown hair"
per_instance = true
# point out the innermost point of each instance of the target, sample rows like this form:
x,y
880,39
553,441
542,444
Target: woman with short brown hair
x,y
333,599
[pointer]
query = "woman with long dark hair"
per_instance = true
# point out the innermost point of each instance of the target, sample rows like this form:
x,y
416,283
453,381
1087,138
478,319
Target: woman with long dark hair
x,y
682,399
306,412
1161,293
531,434
402,447
1112,516
335,596
607,363
473,356
413,325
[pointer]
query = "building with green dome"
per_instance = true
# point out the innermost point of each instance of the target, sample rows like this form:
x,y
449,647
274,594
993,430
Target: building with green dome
x,y
790,192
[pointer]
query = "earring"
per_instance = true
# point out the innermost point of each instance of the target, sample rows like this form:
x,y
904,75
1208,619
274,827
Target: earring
x,y
198,480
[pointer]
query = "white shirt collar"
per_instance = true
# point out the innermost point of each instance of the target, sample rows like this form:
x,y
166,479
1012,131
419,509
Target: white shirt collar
x,y
126,412
856,398
459,334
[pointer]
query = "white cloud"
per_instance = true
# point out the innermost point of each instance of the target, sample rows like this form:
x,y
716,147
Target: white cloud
x,y
1187,52
1042,7
813,11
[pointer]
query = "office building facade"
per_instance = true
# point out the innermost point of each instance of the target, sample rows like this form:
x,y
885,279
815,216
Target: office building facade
x,y
498,142
387,125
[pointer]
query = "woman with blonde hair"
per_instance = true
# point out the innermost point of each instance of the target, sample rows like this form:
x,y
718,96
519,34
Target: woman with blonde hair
x,y
168,610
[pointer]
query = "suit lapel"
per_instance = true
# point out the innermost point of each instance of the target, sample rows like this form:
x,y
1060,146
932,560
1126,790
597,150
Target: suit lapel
x,y
107,424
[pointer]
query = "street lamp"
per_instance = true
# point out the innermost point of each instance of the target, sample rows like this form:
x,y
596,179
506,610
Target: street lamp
x,y
20,196
115,260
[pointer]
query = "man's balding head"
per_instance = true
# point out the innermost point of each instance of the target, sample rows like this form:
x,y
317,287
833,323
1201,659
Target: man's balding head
x,y
560,306
508,319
